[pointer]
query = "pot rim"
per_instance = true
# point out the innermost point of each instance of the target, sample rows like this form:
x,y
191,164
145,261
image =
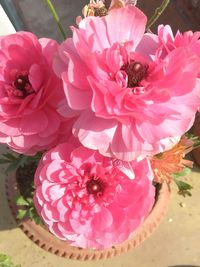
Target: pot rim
x,y
47,241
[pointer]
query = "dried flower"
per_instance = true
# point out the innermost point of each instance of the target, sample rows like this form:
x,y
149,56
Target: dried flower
x,y
172,161
102,7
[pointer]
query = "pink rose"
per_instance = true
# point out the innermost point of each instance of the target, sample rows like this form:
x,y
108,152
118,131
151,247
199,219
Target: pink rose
x,y
30,94
89,200
131,100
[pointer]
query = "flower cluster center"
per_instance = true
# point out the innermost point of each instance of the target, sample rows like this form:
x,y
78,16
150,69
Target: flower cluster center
x,y
22,82
136,72
21,85
95,186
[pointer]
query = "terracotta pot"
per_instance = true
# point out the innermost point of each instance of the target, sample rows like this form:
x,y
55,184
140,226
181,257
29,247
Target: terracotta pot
x,y
196,131
47,241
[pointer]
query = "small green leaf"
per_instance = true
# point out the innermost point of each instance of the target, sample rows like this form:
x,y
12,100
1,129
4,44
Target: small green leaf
x,y
185,172
184,188
38,220
4,161
21,214
182,185
10,156
29,210
30,214
5,261
194,138
21,201
30,202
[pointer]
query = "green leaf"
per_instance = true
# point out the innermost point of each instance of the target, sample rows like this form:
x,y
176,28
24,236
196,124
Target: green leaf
x,y
194,138
38,220
5,261
4,161
10,156
21,201
21,214
30,202
184,188
30,214
29,210
183,185
4,258
185,172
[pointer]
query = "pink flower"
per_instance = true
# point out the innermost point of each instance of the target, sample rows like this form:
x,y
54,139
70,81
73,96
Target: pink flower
x,y
168,42
91,201
30,93
131,100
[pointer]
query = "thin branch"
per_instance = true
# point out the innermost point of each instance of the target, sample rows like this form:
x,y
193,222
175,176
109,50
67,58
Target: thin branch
x,y
56,18
157,13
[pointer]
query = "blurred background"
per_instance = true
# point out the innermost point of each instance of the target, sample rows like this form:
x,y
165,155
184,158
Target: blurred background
x,y
34,15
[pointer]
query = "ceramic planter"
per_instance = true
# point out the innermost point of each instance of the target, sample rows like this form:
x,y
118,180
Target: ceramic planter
x,y
44,239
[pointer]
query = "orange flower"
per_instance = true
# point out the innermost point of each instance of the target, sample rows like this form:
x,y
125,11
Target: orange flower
x,y
171,161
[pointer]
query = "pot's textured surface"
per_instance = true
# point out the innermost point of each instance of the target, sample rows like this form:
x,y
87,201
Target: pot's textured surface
x,y
47,241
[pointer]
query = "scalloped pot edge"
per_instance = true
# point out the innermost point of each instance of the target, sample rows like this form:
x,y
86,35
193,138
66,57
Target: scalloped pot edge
x,y
44,239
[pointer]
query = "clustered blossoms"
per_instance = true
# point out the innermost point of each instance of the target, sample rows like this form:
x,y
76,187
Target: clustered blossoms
x,y
112,104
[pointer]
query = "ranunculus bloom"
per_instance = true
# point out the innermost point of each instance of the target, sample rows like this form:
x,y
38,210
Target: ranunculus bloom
x,y
131,100
168,42
29,94
89,200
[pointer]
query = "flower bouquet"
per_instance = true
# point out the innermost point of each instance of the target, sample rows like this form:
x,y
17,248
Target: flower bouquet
x,y
100,121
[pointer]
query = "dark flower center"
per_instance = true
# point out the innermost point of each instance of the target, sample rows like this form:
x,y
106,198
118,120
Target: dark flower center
x,y
95,186
22,82
23,85
100,12
136,72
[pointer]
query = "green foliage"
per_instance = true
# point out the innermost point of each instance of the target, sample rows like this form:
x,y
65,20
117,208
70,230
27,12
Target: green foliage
x,y
5,261
195,139
26,205
184,188
15,160
27,209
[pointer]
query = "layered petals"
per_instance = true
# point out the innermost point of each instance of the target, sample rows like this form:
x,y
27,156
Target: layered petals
x,y
30,95
89,200
135,91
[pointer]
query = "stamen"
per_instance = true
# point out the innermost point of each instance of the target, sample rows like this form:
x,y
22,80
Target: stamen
x,y
22,85
95,186
136,72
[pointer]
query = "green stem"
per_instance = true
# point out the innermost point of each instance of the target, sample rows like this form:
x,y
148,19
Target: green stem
x,y
56,18
157,13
